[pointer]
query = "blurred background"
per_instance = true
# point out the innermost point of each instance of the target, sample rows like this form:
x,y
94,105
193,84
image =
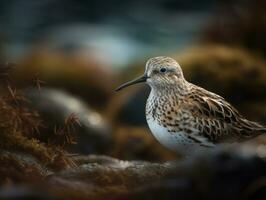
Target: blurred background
x,y
60,62
80,50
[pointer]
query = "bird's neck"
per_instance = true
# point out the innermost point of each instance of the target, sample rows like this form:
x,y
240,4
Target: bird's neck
x,y
161,97
173,91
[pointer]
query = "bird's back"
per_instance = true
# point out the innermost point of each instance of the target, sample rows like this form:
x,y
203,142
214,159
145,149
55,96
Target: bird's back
x,y
217,119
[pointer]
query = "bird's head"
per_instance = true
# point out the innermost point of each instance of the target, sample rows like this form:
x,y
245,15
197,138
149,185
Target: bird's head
x,y
161,72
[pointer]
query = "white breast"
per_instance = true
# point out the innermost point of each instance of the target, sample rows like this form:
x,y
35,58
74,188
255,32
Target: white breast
x,y
170,140
176,141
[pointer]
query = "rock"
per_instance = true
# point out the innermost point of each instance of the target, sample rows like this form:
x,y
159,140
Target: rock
x,y
236,23
108,171
93,136
23,192
18,167
227,173
77,72
100,177
224,174
133,142
165,189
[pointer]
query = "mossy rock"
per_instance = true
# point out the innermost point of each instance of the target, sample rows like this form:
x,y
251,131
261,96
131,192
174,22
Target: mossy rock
x,y
231,173
238,23
82,75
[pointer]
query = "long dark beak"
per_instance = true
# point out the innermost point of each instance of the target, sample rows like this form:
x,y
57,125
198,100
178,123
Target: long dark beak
x,y
140,79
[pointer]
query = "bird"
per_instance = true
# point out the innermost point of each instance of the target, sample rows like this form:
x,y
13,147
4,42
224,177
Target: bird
x,y
187,118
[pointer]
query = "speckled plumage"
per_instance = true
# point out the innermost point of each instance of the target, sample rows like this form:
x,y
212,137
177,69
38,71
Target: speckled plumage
x,y
185,117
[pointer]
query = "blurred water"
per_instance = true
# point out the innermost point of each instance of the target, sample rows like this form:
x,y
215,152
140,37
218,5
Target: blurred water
x,y
115,31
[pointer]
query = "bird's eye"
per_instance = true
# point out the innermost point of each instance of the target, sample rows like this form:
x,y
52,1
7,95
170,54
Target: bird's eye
x,y
163,70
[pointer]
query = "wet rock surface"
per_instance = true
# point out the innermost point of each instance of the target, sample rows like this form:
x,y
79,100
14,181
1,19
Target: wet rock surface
x,y
108,171
223,175
235,173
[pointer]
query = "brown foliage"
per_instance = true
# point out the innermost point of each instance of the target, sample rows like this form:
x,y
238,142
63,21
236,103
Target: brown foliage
x,y
19,132
64,135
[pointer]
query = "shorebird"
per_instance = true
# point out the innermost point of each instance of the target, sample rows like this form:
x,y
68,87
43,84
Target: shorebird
x,y
187,118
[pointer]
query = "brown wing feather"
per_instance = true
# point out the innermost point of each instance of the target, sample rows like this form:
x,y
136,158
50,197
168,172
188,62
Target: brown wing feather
x,y
218,120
